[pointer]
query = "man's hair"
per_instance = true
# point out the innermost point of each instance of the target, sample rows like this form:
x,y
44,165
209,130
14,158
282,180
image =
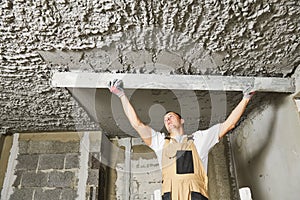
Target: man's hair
x,y
175,113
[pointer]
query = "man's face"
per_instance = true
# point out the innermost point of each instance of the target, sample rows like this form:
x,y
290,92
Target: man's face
x,y
172,120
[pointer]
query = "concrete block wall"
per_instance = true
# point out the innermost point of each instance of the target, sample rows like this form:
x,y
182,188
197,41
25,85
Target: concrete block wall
x,y
146,178
46,167
65,165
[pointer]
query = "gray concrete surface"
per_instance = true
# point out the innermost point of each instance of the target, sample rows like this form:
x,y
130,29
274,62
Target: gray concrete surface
x,y
266,150
258,38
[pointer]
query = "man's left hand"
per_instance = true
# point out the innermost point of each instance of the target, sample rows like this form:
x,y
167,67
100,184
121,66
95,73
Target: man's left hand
x,y
248,92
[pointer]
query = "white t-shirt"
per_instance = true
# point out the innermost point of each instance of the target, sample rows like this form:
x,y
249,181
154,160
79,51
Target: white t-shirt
x,y
204,140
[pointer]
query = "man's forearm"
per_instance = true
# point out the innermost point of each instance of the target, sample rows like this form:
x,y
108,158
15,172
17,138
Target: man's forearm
x,y
238,111
234,117
130,112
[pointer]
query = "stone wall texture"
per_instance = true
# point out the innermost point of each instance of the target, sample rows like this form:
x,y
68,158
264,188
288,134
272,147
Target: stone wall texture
x,y
46,169
49,166
243,37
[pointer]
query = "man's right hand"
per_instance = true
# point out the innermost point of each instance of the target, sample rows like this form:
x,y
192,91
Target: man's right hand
x,y
116,87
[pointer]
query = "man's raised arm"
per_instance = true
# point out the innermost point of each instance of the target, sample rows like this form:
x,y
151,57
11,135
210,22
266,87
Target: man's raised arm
x,y
236,114
116,87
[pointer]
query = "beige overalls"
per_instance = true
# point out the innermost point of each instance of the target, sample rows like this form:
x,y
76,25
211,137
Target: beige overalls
x,y
182,171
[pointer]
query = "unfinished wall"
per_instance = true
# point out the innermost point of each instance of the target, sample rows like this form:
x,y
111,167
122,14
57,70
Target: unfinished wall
x,y
45,167
266,149
221,176
53,166
141,177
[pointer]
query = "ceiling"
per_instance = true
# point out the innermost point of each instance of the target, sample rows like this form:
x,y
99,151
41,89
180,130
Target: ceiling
x,y
227,38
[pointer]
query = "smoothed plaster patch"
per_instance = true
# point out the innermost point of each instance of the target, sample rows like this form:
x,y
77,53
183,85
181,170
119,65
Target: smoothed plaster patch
x,y
10,177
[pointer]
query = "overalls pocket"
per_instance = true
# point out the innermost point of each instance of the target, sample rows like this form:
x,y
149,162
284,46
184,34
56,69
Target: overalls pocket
x,y
184,162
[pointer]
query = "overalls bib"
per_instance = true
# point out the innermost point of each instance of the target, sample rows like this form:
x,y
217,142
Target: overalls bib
x,y
183,175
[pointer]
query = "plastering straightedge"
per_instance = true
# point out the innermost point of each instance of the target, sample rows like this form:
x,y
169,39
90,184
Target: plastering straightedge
x,y
173,82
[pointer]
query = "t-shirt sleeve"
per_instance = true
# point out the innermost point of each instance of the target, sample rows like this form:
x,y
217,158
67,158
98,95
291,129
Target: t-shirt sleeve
x,y
206,139
157,141
157,144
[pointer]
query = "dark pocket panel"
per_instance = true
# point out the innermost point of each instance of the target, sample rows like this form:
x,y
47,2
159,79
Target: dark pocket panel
x,y
184,162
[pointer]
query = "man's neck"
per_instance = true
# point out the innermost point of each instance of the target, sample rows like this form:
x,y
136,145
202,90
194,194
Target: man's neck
x,y
174,133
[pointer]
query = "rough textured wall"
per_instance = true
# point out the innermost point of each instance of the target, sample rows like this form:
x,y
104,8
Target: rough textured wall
x,y
47,167
221,174
246,37
266,150
65,165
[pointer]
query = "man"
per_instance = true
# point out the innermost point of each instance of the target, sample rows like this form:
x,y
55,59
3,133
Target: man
x,y
183,158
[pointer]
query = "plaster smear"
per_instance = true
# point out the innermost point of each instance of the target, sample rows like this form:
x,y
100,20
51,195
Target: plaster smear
x,y
9,179
145,179
83,171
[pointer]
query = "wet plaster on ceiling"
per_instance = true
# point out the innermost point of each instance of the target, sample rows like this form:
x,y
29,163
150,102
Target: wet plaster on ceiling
x,y
245,38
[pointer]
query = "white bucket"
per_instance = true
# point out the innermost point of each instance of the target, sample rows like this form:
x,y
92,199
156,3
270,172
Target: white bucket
x,y
245,193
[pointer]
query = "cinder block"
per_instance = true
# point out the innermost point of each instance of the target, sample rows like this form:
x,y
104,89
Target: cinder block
x,y
66,147
62,179
51,161
53,194
33,179
23,147
40,147
53,147
72,161
93,177
23,193
27,162
68,194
